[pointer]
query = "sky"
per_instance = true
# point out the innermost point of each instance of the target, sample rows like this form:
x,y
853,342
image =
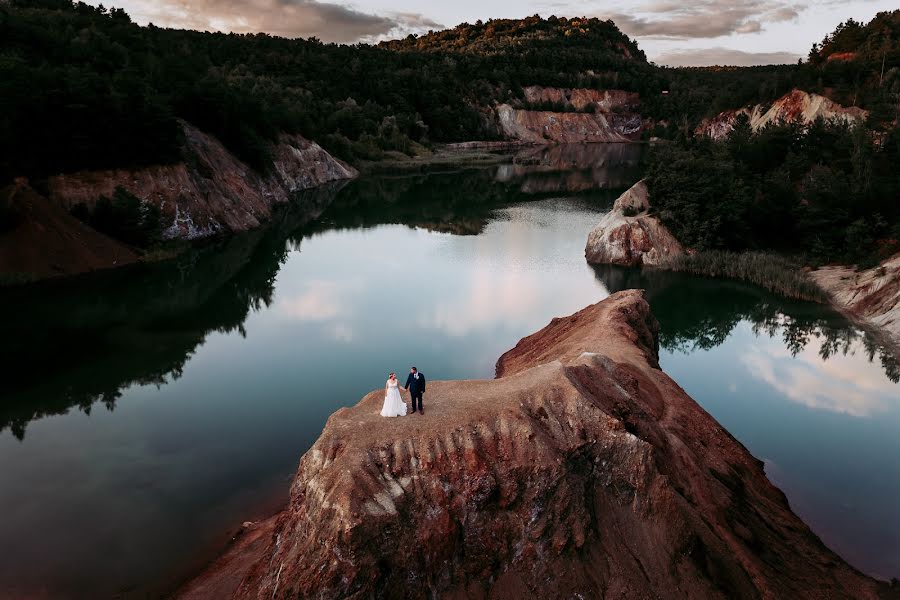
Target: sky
x,y
687,33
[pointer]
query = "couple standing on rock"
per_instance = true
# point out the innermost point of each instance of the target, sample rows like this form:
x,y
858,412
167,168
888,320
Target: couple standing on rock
x,y
394,406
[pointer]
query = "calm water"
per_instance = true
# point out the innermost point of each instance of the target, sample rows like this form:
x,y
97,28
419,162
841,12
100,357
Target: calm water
x,y
146,414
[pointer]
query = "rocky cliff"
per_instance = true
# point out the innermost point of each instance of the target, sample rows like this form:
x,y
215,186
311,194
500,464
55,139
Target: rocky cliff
x,y
627,235
872,295
211,191
603,101
582,471
612,117
796,105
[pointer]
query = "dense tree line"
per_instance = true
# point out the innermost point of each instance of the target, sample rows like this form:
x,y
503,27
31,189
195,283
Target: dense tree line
x,y
856,65
557,52
84,87
826,192
696,93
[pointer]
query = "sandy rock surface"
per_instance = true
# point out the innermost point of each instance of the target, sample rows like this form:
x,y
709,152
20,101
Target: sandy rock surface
x,y
795,106
628,236
872,295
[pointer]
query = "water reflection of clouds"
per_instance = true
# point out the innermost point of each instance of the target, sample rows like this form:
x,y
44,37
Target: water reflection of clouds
x,y
323,302
841,384
488,298
514,289
319,301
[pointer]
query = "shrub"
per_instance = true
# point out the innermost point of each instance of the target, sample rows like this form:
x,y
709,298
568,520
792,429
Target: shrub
x,y
127,218
767,270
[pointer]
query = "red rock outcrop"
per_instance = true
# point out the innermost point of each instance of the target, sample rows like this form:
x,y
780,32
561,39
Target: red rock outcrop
x,y
612,118
211,191
582,471
795,106
604,101
627,235
871,295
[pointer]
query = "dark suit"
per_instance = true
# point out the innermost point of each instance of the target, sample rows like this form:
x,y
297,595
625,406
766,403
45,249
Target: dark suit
x,y
416,386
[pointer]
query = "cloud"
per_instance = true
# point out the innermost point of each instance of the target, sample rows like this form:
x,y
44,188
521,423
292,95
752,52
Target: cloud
x,y
486,299
785,13
320,300
705,57
695,19
749,27
327,21
840,384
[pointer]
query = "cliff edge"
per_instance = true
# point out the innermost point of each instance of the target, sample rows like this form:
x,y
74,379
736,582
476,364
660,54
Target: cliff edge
x,y
872,295
211,191
582,471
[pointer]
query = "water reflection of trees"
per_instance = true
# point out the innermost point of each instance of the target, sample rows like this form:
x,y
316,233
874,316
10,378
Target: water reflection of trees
x,y
70,344
462,200
73,344
698,313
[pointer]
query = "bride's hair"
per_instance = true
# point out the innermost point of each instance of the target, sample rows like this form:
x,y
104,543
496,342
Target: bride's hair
x,y
390,375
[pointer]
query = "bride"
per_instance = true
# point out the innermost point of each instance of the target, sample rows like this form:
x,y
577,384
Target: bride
x,y
394,406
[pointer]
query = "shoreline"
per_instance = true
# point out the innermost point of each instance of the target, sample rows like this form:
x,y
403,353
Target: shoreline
x,y
244,548
470,154
886,337
473,154
632,235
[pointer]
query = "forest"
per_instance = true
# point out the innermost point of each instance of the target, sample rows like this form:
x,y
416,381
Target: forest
x,y
855,65
826,192
83,87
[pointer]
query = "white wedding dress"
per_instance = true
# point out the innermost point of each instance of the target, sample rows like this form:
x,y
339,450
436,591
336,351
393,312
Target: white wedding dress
x,y
394,406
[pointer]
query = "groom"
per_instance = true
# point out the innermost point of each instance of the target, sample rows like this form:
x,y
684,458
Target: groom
x,y
415,383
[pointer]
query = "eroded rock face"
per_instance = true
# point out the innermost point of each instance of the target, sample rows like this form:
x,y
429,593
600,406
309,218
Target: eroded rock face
x,y
212,191
582,471
872,295
628,236
795,106
542,127
604,101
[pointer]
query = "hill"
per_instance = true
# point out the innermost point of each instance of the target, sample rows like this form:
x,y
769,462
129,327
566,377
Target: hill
x,y
872,42
525,36
86,88
557,51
